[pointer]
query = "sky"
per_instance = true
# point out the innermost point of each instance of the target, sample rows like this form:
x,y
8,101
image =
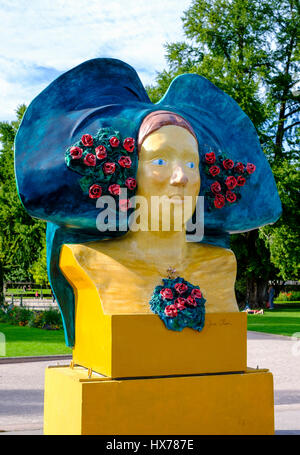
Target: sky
x,y
41,39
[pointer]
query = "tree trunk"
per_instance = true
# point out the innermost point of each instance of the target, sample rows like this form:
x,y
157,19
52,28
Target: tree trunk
x,y
256,292
257,280
282,113
262,293
252,292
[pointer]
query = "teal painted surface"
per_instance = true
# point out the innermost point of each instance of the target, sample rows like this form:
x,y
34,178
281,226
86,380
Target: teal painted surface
x,y
108,93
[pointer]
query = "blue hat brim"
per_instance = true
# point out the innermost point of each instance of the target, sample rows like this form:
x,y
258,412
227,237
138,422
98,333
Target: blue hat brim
x,y
108,92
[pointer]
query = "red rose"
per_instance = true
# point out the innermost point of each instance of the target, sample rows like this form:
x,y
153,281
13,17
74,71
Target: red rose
x,y
210,158
180,287
76,153
100,152
230,196
128,144
130,183
90,159
228,164
250,168
180,303
239,167
124,205
171,311
215,187
114,141
95,191
191,301
114,189
219,201
87,140
241,180
109,168
125,161
196,294
231,182
214,170
166,293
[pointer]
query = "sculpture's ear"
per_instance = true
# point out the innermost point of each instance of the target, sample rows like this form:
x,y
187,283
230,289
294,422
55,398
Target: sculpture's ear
x,y
97,93
219,122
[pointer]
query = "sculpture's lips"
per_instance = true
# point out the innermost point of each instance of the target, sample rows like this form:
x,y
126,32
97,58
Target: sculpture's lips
x,y
176,197
173,197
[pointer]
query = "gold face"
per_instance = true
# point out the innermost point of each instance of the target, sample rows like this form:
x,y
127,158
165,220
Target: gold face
x,y
169,168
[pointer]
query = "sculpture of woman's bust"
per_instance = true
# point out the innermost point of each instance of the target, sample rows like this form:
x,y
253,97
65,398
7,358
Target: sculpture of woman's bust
x,y
126,270
195,142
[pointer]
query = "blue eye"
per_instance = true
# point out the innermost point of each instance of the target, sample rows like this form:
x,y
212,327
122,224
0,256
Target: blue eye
x,y
190,164
159,161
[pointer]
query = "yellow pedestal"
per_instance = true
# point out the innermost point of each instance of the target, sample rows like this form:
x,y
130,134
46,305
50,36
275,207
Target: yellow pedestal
x,y
156,381
192,405
140,345
134,345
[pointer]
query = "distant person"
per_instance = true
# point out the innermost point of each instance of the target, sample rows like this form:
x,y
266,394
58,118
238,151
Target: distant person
x,y
36,295
271,297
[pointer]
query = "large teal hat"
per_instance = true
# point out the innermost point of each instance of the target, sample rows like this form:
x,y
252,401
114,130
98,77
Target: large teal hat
x,y
107,93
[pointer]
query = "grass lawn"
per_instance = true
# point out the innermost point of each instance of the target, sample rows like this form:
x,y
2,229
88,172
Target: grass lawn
x,y
280,321
31,291
27,341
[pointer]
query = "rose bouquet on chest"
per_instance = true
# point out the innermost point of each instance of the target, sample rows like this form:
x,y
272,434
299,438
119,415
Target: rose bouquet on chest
x,y
179,304
105,163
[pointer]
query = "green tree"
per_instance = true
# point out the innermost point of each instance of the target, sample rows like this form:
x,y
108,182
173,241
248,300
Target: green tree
x,y
39,268
249,48
283,239
21,237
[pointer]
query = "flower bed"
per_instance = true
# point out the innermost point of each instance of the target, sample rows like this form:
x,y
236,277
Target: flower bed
x,y
47,319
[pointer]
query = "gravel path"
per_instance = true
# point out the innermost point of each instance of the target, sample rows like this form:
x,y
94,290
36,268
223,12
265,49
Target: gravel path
x,y
281,355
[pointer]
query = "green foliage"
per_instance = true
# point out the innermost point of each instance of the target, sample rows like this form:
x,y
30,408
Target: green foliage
x,y
38,269
292,296
37,320
249,49
255,268
47,319
282,238
4,317
21,237
52,318
16,316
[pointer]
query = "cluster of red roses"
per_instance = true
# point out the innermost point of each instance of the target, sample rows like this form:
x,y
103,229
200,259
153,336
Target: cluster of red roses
x,y
101,158
229,176
180,302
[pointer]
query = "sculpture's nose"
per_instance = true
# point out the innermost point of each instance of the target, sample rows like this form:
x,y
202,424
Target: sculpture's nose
x,y
178,178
